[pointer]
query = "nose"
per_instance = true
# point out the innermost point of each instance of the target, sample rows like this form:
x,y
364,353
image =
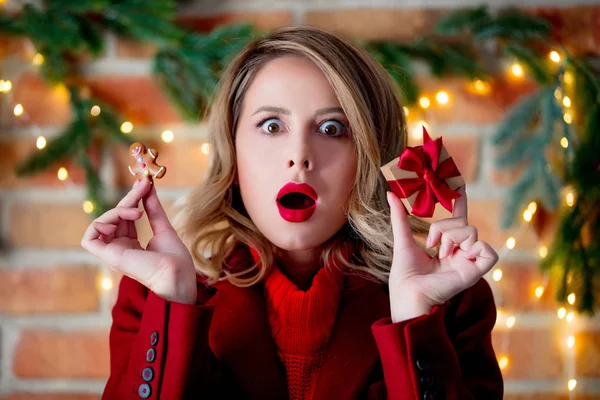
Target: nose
x,y
300,157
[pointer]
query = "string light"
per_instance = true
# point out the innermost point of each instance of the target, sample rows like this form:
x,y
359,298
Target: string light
x,y
510,322
503,362
517,70
566,101
532,207
40,143
510,243
539,291
572,384
481,87
564,142
497,274
417,132
570,317
554,56
95,111
5,86
571,341
167,136
568,118
38,59
561,312
88,207
18,110
543,251
126,127
557,94
205,148
405,111
107,283
568,78
527,215
571,298
424,102
570,199
62,173
442,97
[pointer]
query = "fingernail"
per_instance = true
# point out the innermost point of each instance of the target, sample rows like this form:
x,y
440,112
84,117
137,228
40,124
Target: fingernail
x,y
428,243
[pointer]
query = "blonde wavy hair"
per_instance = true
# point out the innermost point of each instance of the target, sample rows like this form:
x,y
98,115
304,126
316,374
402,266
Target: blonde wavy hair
x,y
212,219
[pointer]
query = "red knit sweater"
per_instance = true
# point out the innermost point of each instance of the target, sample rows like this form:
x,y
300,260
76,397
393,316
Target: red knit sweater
x,y
301,323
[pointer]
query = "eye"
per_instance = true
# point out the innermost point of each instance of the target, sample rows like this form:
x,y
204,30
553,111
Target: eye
x,y
270,125
332,128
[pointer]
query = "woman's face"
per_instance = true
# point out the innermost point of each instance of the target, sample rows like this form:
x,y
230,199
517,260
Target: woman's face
x,y
292,129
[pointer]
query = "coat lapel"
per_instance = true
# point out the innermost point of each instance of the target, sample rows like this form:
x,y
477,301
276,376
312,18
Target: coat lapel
x,y
352,352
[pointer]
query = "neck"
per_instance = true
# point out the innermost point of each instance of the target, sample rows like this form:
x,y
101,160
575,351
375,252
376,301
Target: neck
x,y
300,266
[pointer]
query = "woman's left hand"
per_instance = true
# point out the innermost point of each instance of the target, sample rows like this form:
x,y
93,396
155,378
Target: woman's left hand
x,y
418,281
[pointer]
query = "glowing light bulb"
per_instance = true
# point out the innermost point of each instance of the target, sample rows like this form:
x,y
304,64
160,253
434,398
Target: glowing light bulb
x,y
568,118
442,97
62,173
572,384
167,136
532,207
570,317
539,291
517,70
88,207
510,322
571,341
557,94
570,199
561,312
424,102
40,143
205,148
126,127
18,110
503,362
107,283
5,86
38,59
566,101
568,78
527,215
564,142
405,111
571,298
497,274
481,87
554,56
543,251
510,243
95,111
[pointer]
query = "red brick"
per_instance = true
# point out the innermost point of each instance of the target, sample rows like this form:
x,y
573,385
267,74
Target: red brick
x,y
485,216
139,99
41,291
56,354
15,152
127,48
260,19
576,27
44,104
518,284
43,225
533,354
51,396
184,160
587,354
376,23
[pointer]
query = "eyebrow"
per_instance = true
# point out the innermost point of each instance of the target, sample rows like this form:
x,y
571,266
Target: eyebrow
x,y
329,110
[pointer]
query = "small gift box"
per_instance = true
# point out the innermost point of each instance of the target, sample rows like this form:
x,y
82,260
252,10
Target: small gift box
x,y
424,175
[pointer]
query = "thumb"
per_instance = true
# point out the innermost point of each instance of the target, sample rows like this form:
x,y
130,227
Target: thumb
x,y
403,236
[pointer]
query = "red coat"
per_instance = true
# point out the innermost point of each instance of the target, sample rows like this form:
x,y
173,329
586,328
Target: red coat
x,y
222,347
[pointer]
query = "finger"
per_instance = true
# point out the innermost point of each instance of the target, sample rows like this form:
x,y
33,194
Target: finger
x,y
112,216
159,222
464,237
403,236
483,255
132,230
104,229
437,228
139,190
460,204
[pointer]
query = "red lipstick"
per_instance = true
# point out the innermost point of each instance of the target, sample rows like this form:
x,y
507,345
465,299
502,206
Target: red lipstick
x,y
296,202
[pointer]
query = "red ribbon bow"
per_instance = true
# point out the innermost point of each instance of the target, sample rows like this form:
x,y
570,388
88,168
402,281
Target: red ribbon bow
x,y
431,177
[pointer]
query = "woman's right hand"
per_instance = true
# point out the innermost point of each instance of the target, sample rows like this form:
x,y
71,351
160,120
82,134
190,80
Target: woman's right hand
x,y
165,266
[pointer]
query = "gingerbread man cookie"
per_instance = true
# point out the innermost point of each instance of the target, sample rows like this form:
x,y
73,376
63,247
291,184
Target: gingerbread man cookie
x,y
145,162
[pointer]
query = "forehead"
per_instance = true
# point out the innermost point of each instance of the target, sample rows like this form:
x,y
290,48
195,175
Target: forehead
x,y
292,81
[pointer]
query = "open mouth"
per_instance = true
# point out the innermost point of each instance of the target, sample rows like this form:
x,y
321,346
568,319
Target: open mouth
x,y
296,201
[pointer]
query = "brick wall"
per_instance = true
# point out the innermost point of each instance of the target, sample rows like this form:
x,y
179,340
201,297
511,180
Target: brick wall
x,y
55,315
